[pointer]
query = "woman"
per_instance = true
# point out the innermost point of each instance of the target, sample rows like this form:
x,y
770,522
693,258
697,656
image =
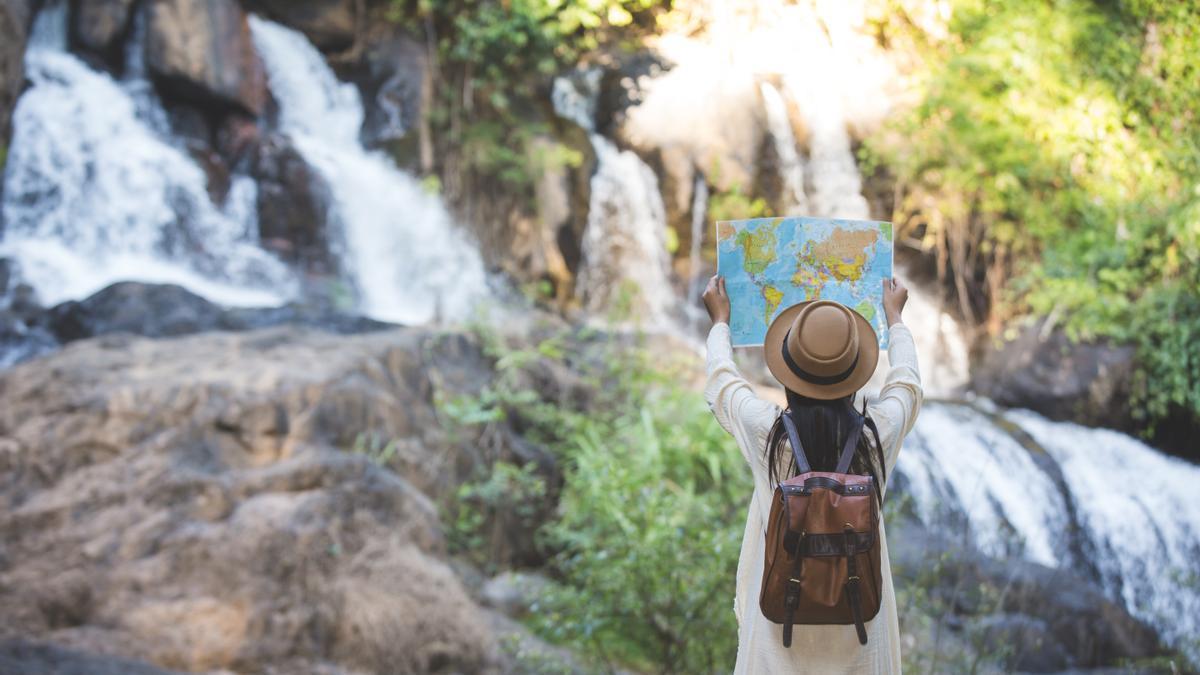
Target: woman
x,y
822,353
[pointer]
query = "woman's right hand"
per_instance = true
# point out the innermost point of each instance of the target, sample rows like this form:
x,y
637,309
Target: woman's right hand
x,y
716,300
895,294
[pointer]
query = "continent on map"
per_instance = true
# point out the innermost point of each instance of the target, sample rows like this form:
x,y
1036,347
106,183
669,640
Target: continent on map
x,y
842,255
866,309
773,296
759,248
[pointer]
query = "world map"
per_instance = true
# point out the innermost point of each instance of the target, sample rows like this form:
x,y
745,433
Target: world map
x,y
770,264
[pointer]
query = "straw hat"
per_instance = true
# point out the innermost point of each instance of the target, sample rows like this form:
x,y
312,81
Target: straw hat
x,y
821,349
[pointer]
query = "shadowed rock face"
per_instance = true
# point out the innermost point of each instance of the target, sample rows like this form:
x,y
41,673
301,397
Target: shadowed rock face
x,y
98,26
195,503
15,17
201,50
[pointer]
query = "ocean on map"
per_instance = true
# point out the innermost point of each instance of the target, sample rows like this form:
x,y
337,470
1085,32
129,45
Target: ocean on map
x,y
770,264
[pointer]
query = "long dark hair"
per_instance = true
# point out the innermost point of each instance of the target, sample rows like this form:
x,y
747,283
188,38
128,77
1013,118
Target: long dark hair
x,y
822,426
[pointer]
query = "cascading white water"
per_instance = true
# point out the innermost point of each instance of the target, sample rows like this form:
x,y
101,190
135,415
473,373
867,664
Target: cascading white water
x,y
836,183
624,245
1136,511
93,193
1140,510
407,258
791,166
699,222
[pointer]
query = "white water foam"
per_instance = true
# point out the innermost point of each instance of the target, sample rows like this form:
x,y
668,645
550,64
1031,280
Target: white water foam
x,y
624,245
409,261
955,459
791,166
93,194
1141,511
1137,510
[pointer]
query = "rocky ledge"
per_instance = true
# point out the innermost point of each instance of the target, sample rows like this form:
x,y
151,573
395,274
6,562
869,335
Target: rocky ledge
x,y
218,502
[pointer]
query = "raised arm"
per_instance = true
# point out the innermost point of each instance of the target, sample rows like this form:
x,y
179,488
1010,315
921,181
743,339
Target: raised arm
x,y
731,398
900,398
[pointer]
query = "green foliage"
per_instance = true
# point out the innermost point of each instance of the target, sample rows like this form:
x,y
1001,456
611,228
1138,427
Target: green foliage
x,y
495,59
649,530
506,492
649,516
733,204
375,447
1054,163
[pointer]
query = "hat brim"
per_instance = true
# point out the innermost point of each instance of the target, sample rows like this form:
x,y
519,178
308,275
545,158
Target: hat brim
x,y
868,357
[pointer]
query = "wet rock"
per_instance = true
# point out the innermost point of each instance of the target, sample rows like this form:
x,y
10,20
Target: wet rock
x,y
24,657
100,26
165,310
1085,382
331,25
294,203
15,19
150,310
392,80
1029,643
202,51
1010,602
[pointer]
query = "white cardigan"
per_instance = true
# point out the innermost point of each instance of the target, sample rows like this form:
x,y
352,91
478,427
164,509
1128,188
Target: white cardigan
x,y
815,649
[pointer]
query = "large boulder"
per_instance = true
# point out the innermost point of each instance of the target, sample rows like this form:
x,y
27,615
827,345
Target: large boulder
x,y
99,26
208,502
331,25
1085,382
1037,618
201,50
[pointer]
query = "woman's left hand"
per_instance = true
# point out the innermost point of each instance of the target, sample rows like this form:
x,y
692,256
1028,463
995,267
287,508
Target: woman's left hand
x,y
716,301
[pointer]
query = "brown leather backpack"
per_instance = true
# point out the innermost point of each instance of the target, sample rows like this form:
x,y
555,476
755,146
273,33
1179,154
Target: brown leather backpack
x,y
822,558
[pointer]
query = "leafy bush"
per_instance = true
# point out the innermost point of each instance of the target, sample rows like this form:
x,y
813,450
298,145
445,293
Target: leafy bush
x,y
649,518
1053,165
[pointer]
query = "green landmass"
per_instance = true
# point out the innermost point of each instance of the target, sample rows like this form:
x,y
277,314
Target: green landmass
x,y
886,228
867,309
758,247
773,296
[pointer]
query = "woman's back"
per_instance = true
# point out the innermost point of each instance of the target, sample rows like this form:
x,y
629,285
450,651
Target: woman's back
x,y
750,419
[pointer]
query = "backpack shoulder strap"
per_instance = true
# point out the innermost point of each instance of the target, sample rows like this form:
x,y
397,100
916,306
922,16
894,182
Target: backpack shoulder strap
x,y
843,464
802,465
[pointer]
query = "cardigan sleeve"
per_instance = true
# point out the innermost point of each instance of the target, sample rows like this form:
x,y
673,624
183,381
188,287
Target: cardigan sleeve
x,y
895,410
731,398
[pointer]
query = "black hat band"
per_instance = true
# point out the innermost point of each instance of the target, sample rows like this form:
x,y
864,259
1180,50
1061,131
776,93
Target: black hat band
x,y
810,377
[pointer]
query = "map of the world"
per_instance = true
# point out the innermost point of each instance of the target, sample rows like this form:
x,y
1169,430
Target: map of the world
x,y
770,264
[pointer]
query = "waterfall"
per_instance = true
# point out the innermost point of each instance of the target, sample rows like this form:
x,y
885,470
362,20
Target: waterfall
x,y
407,259
836,183
791,166
699,218
1064,495
624,245
94,193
